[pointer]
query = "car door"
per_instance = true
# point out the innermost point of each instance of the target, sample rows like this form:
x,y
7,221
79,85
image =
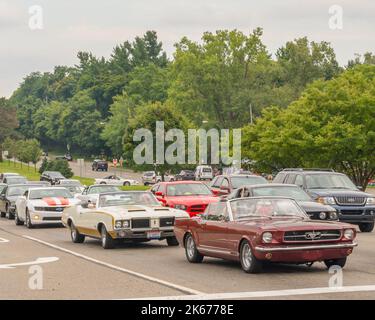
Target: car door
x,y
86,221
213,228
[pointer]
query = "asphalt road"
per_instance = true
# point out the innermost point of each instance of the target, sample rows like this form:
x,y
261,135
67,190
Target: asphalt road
x,y
86,271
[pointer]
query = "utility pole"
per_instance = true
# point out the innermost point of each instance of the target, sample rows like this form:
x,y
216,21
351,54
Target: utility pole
x,y
251,113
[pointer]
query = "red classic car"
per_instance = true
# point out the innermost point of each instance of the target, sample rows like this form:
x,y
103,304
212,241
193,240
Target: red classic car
x,y
191,196
273,229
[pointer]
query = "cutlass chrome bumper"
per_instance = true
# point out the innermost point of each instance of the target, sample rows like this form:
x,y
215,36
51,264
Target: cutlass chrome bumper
x,y
315,247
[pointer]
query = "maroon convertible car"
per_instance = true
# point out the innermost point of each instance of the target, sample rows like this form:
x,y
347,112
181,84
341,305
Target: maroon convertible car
x,y
273,229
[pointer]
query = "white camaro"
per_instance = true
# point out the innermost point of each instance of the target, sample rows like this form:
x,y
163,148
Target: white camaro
x,y
118,181
127,215
43,206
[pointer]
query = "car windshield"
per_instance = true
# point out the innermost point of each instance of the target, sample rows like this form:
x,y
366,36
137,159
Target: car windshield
x,y
70,183
265,207
206,169
295,193
55,174
128,199
188,189
148,174
329,181
73,188
247,180
16,180
14,191
49,193
103,189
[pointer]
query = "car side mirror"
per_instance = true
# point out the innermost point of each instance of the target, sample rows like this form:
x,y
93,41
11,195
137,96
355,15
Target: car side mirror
x,y
159,194
360,188
224,189
84,204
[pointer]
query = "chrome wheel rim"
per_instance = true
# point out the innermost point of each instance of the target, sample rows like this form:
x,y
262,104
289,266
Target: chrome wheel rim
x,y
190,247
246,256
74,233
104,239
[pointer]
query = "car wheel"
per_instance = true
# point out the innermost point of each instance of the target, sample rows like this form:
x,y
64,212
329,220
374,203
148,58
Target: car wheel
x,y
107,240
8,214
192,254
29,224
102,183
17,220
172,242
2,214
249,262
126,184
366,227
75,235
335,262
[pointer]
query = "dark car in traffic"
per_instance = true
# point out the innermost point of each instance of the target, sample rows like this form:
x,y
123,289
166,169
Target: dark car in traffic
x,y
53,177
185,175
14,180
315,210
9,195
337,190
225,184
101,165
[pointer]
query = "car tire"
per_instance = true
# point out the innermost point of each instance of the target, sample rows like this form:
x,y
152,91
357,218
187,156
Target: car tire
x,y
335,262
2,214
126,184
17,220
249,263
28,222
172,242
191,251
8,215
102,183
75,235
107,241
366,227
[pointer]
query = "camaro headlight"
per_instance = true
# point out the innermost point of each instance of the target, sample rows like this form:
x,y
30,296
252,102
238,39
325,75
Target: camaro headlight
x,y
327,200
322,215
370,200
267,237
180,206
349,234
333,215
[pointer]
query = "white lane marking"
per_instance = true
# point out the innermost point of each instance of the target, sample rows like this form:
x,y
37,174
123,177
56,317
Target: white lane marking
x,y
265,294
30,263
108,265
2,240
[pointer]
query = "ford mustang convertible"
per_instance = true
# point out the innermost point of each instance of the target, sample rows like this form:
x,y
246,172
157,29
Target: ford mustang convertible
x,y
131,215
264,229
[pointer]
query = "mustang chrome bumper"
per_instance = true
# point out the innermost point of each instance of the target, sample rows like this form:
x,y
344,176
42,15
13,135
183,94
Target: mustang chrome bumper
x,y
311,247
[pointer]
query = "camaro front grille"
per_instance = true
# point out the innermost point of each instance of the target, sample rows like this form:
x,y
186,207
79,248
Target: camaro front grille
x,y
351,201
311,235
50,209
140,223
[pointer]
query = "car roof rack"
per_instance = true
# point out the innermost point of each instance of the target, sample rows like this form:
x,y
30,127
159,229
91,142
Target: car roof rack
x,y
309,169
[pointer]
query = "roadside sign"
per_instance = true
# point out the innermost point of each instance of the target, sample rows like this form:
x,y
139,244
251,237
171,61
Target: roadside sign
x,y
121,162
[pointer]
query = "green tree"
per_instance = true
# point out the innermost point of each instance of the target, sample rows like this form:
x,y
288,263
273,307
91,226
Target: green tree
x,y
8,122
331,125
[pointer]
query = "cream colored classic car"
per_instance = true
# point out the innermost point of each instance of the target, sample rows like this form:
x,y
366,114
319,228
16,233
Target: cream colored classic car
x,y
128,215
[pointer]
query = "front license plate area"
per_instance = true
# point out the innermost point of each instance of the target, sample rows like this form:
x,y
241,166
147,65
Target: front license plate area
x,y
153,235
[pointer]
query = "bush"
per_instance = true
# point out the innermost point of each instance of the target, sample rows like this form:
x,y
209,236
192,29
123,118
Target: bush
x,y
57,165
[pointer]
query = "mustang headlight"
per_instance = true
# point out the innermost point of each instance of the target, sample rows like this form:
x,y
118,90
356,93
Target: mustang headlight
x,y
267,237
349,234
370,200
180,206
322,215
327,200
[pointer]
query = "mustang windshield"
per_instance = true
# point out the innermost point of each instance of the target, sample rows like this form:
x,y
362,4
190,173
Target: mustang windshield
x,y
329,181
49,193
265,207
295,193
128,199
188,189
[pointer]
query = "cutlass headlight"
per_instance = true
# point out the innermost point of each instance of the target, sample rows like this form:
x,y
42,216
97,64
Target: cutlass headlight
x,y
327,200
180,206
322,215
118,224
333,215
349,234
126,224
267,237
370,200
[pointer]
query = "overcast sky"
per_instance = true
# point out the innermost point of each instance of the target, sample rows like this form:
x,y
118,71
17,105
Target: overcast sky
x,y
98,25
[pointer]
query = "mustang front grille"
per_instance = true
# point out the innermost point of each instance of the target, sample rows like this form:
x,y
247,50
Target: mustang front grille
x,y
167,222
140,223
351,201
313,235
